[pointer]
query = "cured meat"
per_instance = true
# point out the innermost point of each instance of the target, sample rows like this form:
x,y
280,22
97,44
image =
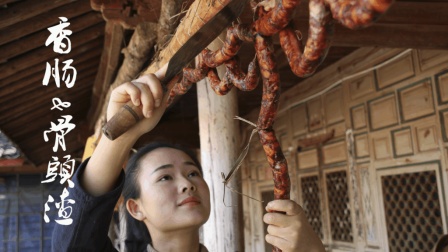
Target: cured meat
x,y
303,62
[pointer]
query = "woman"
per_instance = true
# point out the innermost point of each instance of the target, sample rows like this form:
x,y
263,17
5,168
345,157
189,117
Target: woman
x,y
170,197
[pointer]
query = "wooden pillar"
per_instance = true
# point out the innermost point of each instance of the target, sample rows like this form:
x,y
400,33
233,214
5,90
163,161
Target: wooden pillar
x,y
219,138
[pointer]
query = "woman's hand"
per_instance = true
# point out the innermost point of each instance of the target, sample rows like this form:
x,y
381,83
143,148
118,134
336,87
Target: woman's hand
x,y
146,93
290,231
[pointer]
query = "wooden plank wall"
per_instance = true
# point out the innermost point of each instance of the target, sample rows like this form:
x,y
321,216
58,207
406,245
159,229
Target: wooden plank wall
x,y
395,110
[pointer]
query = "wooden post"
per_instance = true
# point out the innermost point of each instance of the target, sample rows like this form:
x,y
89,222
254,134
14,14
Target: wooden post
x,y
219,138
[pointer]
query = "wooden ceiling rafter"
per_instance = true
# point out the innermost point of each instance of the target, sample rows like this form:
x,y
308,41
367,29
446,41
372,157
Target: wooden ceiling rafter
x,y
80,41
35,116
18,109
42,21
23,46
27,9
19,82
34,73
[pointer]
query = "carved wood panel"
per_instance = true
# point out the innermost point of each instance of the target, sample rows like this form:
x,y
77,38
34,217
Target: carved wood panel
x,y
299,120
431,58
370,215
315,118
383,112
395,71
402,142
358,117
427,138
444,123
362,145
361,86
442,87
334,106
334,152
381,147
307,159
339,129
416,100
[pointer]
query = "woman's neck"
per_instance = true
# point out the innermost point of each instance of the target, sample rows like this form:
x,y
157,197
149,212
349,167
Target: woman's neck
x,y
181,240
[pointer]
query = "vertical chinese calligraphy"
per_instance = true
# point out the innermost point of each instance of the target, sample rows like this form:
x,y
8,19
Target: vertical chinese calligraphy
x,y
59,37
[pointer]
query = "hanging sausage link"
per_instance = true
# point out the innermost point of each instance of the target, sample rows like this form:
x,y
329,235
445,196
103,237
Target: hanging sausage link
x,y
358,14
271,95
303,62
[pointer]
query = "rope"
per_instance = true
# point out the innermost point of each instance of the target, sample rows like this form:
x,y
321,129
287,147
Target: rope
x,y
239,162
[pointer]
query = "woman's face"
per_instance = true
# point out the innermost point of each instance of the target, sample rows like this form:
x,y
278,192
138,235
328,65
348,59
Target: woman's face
x,y
173,193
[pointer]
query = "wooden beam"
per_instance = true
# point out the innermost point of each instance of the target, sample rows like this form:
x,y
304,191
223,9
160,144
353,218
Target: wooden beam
x,y
413,12
26,44
27,9
4,162
80,41
42,21
315,140
387,35
394,36
400,12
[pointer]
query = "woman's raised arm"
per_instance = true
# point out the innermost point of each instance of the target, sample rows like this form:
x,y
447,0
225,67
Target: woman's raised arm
x,y
104,167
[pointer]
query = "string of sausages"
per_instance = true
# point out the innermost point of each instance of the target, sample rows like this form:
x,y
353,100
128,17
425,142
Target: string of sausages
x,y
303,61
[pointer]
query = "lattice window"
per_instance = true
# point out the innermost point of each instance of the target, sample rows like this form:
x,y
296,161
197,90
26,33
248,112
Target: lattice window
x,y
339,206
311,203
412,210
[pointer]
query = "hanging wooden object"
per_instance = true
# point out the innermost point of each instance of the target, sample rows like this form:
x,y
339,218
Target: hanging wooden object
x,y
197,15
129,13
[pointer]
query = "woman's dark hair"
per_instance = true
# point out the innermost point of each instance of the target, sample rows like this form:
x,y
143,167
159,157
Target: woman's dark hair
x,y
442,243
138,237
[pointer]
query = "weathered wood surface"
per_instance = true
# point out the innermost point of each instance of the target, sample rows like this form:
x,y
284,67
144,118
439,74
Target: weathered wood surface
x,y
198,13
38,39
42,21
219,137
80,41
27,9
110,55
